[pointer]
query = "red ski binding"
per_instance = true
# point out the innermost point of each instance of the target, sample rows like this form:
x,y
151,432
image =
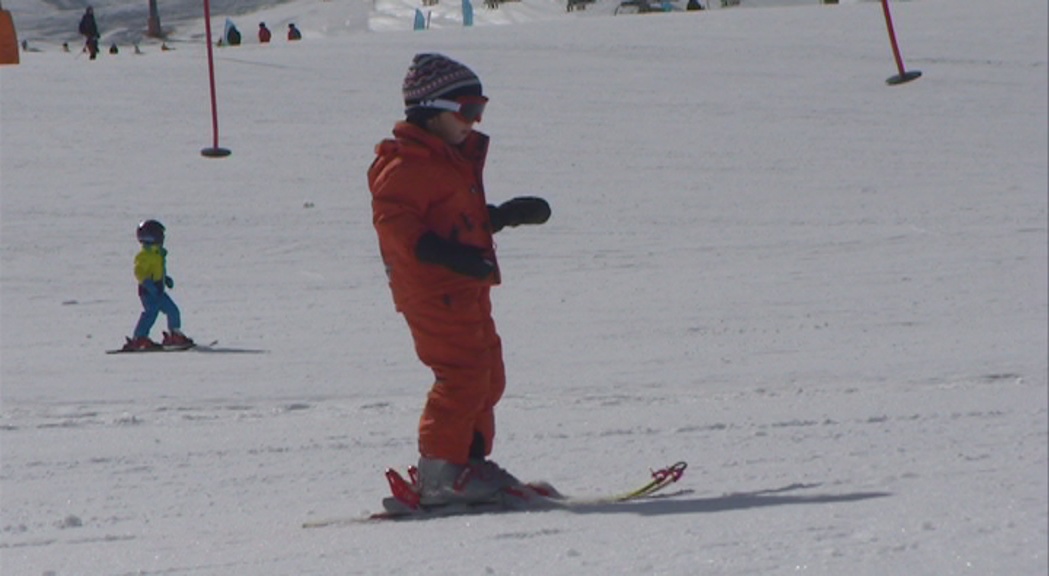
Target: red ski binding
x,y
404,490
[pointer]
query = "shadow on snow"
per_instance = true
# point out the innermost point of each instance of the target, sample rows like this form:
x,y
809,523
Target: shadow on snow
x,y
674,504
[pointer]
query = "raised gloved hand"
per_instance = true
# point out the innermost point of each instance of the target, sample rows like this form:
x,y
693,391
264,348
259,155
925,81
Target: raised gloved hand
x,y
169,282
460,258
520,210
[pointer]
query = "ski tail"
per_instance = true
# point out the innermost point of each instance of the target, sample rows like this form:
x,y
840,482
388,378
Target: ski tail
x,y
404,491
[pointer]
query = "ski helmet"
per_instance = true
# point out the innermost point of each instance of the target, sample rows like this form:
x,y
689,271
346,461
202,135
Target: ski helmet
x,y
150,232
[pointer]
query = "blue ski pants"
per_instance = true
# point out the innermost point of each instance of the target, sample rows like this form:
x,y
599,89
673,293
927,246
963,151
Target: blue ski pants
x,y
153,304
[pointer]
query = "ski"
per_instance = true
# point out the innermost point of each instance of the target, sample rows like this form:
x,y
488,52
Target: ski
x,y
179,348
531,497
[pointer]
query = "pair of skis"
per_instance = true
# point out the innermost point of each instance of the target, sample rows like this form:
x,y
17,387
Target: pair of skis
x,y
163,348
404,504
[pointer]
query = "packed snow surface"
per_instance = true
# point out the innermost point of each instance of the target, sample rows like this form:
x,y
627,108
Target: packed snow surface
x,y
827,294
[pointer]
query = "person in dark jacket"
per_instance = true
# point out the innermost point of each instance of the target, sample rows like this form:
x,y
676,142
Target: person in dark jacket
x,y
233,36
89,30
293,33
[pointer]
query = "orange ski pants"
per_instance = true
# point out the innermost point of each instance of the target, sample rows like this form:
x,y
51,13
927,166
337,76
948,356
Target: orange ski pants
x,y
455,336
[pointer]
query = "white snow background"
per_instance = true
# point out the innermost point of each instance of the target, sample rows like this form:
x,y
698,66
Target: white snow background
x,y
827,294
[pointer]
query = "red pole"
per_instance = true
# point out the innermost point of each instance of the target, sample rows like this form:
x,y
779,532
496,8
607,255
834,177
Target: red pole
x,y
903,76
214,151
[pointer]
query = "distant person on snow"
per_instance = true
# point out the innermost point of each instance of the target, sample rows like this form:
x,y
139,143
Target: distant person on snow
x,y
151,273
89,30
233,36
293,33
264,33
435,237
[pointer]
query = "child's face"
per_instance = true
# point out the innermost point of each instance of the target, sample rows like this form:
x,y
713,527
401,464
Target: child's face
x,y
448,127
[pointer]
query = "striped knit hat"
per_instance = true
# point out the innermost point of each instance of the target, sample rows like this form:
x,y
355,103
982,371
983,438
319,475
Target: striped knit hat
x,y
433,76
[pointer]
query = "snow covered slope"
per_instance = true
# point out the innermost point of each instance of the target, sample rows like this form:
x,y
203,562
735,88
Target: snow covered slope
x,y
827,294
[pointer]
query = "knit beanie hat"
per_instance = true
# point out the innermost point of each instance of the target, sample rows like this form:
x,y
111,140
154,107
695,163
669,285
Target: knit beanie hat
x,y
433,76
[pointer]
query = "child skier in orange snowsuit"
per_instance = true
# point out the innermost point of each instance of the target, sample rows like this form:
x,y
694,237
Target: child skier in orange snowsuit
x,y
435,235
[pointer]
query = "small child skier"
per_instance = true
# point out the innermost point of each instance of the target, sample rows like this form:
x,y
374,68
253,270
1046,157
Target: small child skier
x,y
151,273
435,233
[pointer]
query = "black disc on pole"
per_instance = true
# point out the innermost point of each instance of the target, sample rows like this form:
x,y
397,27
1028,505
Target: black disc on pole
x,y
903,78
215,152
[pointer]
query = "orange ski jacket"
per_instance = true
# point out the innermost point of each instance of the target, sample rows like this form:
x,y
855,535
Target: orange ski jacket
x,y
420,184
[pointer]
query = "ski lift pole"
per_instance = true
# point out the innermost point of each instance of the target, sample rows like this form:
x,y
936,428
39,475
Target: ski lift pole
x,y
214,151
904,75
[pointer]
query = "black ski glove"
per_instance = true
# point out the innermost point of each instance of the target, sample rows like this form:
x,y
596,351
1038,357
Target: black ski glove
x,y
459,258
520,210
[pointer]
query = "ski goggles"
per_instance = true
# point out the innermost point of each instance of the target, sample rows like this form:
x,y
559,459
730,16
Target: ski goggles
x,y
467,108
